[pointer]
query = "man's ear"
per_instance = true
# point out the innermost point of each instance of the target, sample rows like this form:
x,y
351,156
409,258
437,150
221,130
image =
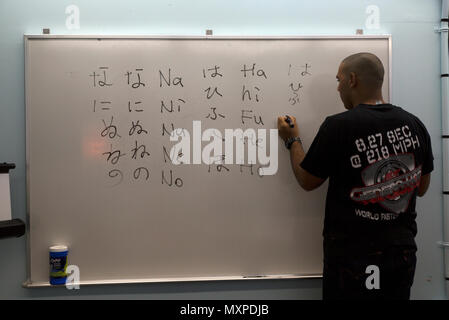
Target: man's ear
x,y
352,80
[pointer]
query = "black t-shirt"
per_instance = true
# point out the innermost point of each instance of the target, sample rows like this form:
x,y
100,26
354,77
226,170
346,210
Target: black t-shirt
x,y
374,156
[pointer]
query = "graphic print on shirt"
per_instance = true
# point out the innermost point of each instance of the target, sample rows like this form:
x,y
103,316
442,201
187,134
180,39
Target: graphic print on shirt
x,y
391,175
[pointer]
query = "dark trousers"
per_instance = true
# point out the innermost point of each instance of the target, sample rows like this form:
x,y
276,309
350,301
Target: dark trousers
x,y
356,277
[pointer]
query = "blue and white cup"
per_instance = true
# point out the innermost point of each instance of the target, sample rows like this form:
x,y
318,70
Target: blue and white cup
x,y
58,264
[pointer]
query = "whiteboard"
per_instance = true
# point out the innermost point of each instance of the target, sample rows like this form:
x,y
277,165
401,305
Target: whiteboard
x,y
93,100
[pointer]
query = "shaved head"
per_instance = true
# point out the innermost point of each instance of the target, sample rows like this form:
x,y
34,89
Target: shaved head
x,y
360,77
368,68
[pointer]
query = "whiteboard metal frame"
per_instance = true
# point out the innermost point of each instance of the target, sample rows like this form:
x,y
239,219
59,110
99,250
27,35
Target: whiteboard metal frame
x,y
27,37
29,284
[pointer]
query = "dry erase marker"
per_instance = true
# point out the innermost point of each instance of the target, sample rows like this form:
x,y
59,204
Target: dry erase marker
x,y
289,121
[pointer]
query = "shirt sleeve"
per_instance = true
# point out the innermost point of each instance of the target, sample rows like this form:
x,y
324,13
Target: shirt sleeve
x,y
427,165
319,159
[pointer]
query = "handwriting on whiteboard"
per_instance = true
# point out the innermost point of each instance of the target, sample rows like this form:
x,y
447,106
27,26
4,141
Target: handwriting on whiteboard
x,y
131,143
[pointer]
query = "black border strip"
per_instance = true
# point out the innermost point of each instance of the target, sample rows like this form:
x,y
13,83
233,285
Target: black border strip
x,y
5,167
12,228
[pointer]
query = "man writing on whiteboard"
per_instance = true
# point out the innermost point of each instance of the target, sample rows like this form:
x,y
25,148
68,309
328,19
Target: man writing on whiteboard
x,y
378,159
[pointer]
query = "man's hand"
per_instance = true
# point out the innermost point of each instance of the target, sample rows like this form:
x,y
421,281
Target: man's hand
x,y
307,181
285,131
